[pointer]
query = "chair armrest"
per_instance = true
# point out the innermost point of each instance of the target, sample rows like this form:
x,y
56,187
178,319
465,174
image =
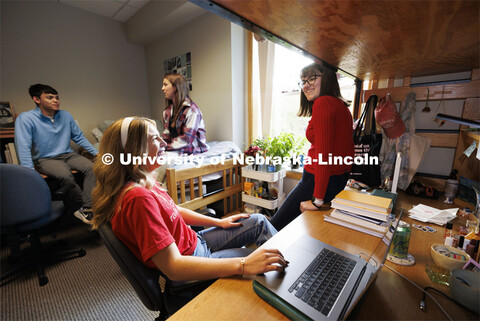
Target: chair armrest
x,y
179,287
207,211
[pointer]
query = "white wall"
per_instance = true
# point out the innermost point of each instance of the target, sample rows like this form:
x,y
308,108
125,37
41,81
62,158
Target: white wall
x,y
210,39
84,56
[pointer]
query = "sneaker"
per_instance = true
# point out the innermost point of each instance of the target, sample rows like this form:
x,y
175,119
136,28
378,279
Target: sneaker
x,y
84,214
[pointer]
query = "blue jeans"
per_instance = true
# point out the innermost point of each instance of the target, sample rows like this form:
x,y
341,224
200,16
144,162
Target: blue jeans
x,y
217,242
290,208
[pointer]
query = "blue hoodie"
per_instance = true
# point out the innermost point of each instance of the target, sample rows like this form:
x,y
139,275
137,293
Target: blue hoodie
x,y
36,136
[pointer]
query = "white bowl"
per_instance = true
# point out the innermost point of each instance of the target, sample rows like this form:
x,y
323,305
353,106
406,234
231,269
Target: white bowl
x,y
449,263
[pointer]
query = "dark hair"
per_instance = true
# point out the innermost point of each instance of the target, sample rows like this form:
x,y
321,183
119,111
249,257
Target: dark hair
x,y
328,87
182,92
38,89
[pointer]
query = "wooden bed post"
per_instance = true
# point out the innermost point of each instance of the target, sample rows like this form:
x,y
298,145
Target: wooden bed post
x,y
172,184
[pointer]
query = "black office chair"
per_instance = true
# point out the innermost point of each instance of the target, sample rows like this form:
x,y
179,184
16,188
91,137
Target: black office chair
x,y
25,208
145,280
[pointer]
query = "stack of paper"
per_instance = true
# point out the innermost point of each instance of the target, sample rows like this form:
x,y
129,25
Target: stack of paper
x,y
429,214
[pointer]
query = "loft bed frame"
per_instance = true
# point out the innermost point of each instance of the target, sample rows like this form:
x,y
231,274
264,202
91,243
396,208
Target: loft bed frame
x,y
369,41
185,186
378,40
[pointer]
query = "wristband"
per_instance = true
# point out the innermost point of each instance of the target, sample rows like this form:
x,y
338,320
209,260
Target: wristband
x,y
242,262
314,200
317,206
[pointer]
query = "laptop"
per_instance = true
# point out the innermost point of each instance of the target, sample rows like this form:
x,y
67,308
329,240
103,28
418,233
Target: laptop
x,y
321,282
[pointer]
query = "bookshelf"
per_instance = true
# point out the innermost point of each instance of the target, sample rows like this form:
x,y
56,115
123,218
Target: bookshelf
x,y
5,138
7,127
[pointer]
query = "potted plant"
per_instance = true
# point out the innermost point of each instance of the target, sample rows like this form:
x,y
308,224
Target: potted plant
x,y
279,149
263,144
252,151
298,150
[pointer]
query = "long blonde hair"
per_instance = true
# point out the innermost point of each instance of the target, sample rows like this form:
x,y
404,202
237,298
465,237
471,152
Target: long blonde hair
x,y
112,179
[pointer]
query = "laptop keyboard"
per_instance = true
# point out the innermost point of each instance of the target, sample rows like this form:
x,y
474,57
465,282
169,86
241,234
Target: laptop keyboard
x,y
323,280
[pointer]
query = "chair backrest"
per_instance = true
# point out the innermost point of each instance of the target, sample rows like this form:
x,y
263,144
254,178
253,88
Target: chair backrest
x,y
24,195
143,279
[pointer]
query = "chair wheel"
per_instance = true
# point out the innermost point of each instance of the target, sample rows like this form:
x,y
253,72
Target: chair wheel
x,y
82,253
42,280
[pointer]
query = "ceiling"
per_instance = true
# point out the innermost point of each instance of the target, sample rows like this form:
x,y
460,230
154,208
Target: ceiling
x,y
119,10
145,20
373,39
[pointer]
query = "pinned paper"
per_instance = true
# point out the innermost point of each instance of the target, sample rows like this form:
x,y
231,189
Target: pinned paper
x,y
478,152
470,149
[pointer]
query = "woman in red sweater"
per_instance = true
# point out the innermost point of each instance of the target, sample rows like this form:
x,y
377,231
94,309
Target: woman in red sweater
x,y
329,131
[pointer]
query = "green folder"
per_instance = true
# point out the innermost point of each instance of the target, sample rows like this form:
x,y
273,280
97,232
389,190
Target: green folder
x,y
278,303
382,193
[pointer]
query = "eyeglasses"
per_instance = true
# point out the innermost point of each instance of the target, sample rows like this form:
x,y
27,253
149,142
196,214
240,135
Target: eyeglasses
x,y
310,80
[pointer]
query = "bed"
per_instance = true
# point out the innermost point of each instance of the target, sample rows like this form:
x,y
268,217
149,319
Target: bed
x,y
207,183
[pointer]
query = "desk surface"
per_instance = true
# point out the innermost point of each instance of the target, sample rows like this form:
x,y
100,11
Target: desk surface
x,y
389,297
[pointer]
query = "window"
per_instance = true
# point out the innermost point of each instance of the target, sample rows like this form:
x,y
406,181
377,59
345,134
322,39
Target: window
x,y
276,93
286,93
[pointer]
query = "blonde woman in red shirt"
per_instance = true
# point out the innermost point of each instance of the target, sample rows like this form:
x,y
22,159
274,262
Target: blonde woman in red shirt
x,y
145,218
330,132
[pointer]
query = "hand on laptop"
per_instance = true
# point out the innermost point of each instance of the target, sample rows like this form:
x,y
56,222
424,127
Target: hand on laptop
x,y
264,260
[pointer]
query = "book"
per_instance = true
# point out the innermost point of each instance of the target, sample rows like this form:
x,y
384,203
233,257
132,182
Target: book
x,y
8,156
373,224
360,211
353,226
382,193
13,153
364,201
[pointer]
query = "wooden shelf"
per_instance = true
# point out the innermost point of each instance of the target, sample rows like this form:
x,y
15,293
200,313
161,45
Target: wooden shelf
x,y
472,134
7,134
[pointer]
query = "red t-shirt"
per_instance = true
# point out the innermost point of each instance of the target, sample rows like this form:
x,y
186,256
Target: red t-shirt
x,y
330,131
148,221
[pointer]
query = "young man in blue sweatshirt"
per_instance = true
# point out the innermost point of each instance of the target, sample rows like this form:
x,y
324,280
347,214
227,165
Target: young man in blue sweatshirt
x,y
42,140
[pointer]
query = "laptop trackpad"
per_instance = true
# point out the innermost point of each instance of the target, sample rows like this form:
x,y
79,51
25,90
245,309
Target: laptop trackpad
x,y
297,256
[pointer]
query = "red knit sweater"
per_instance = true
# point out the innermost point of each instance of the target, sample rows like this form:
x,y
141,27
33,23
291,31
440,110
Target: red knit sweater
x,y
329,131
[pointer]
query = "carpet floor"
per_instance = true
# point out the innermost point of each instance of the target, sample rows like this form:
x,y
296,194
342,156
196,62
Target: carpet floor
x,y
88,288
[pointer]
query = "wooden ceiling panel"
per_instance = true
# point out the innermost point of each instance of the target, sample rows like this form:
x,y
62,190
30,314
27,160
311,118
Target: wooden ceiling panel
x,y
374,39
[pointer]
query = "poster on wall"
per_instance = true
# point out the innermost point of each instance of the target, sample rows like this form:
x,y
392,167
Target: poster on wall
x,y
180,65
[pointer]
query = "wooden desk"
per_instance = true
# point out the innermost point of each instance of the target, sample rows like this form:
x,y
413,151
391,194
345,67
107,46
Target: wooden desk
x,y
389,297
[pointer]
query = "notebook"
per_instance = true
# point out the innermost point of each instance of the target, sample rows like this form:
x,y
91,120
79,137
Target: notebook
x,y
321,282
364,200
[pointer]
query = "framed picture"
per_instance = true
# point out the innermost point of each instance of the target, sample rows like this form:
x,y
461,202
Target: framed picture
x,y
182,65
7,116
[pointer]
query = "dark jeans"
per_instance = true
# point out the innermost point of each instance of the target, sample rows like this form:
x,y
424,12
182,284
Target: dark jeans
x,y
60,167
290,208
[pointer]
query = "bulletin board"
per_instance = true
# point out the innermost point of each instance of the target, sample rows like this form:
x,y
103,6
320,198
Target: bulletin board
x,y
182,65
